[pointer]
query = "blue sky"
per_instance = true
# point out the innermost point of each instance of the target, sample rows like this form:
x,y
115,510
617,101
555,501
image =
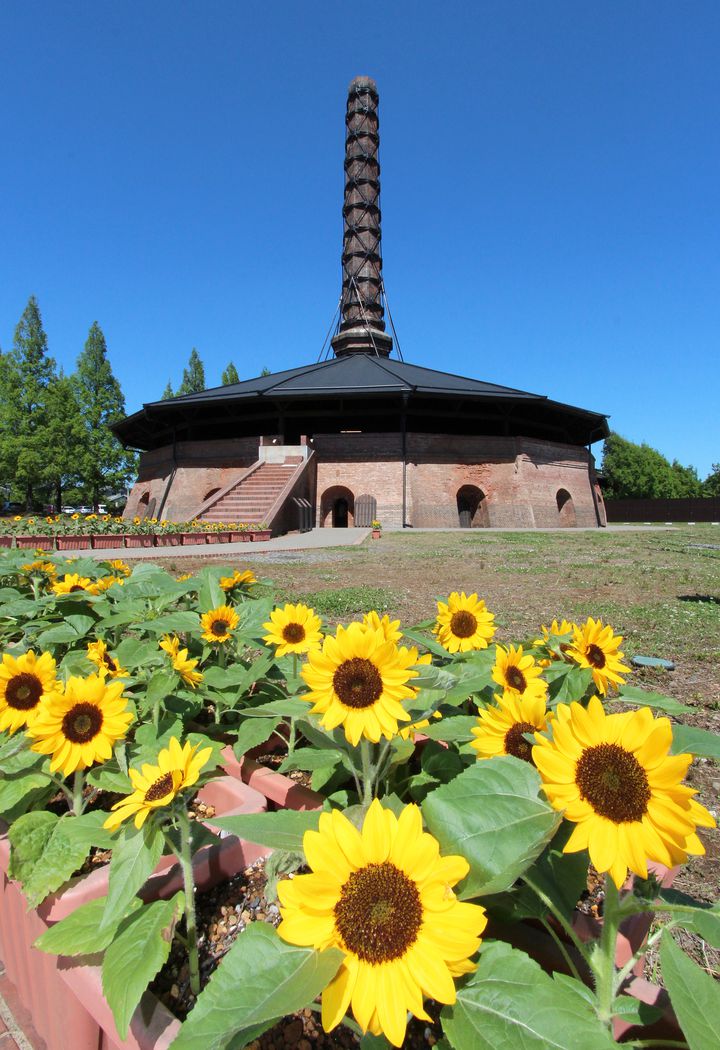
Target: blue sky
x,y
550,174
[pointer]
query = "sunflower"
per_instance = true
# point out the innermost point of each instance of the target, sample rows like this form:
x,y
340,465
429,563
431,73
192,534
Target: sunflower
x,y
184,576
71,582
390,628
24,682
156,786
596,647
219,623
179,657
238,579
518,675
501,728
108,667
119,567
464,623
293,629
615,779
359,681
382,896
81,725
557,628
40,567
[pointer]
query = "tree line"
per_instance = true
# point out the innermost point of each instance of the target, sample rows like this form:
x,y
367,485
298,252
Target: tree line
x,y
633,471
55,432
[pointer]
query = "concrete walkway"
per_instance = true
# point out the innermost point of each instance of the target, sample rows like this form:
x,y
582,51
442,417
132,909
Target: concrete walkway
x,y
293,541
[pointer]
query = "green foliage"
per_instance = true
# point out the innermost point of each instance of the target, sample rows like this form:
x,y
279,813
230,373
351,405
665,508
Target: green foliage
x,y
79,933
344,601
139,949
493,815
193,380
510,1003
283,829
261,980
640,472
47,850
230,375
694,994
134,857
102,462
711,484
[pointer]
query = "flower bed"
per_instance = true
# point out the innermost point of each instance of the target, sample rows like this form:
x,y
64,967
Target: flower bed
x,y
138,683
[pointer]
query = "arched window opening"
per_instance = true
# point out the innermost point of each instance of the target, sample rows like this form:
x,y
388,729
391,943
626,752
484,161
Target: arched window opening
x,y
337,508
566,509
472,507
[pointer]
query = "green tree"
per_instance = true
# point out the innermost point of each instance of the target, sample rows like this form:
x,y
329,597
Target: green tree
x,y
65,438
27,373
103,463
640,472
266,372
687,482
167,392
230,375
193,380
711,484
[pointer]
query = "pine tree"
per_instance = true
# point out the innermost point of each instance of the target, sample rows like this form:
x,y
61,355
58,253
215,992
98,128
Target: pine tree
x,y
103,462
167,392
193,381
230,375
65,438
27,374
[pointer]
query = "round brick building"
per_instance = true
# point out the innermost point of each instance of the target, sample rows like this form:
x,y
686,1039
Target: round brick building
x,y
364,435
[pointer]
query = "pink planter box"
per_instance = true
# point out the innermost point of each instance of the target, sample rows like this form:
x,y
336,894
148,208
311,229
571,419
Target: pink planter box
x,y
73,543
84,1020
192,537
140,541
275,787
45,543
223,537
6,541
212,537
107,542
260,535
169,539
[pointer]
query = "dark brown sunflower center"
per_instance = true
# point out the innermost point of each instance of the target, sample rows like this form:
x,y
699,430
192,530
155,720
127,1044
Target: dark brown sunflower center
x,y
379,913
76,587
463,624
219,627
614,783
515,678
515,742
109,662
357,682
82,723
294,633
159,788
23,691
595,656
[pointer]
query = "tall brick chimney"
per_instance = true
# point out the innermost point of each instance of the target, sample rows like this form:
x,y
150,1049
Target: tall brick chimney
x,y
362,315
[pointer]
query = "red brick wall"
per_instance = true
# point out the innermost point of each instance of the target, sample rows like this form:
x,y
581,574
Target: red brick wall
x,y
201,466
519,477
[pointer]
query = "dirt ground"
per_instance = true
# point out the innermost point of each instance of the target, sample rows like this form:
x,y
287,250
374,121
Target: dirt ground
x,y
659,588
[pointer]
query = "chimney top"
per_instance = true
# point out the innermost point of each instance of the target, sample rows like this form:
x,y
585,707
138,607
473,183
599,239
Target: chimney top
x,y
362,312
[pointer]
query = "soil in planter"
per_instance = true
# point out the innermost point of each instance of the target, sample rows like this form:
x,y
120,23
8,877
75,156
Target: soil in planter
x,y
222,914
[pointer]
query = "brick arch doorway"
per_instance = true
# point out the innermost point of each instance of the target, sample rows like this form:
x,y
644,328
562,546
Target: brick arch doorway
x,y
566,509
337,508
472,508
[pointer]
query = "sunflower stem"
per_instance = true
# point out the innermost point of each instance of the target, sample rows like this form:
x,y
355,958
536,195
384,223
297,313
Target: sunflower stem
x,y
292,737
603,959
552,907
563,951
185,856
295,666
368,773
77,792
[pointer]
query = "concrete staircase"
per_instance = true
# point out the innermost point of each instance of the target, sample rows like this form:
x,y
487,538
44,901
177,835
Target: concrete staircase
x,y
253,497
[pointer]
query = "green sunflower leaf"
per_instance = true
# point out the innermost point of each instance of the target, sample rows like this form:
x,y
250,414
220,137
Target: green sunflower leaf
x,y
283,829
135,855
46,852
694,994
252,732
493,815
79,934
510,1002
699,742
632,694
308,759
261,980
139,949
